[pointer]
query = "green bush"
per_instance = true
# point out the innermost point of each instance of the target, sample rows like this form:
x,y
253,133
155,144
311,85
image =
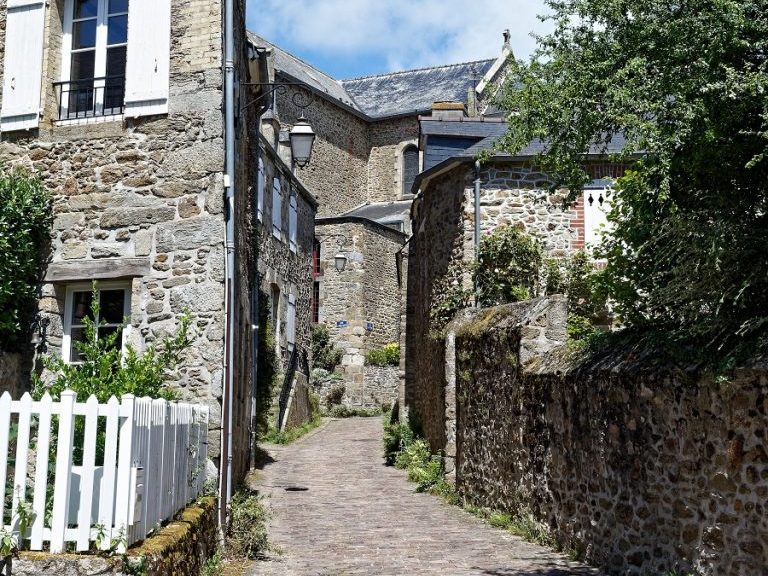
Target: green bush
x,y
508,266
267,368
335,395
25,220
247,533
397,435
324,354
389,355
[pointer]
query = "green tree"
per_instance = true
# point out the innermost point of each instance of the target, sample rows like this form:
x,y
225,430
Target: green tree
x,y
25,220
681,88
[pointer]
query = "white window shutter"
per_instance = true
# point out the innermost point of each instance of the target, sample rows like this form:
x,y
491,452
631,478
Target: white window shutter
x,y
277,209
293,218
291,336
260,181
23,66
149,57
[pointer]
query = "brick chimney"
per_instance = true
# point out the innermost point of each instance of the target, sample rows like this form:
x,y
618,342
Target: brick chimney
x,y
448,110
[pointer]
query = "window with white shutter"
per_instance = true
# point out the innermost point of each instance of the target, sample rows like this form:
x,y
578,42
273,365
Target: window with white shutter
x,y
293,220
23,65
277,209
291,321
95,46
260,183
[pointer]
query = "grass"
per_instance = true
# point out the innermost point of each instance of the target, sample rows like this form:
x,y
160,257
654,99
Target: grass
x,y
342,411
275,436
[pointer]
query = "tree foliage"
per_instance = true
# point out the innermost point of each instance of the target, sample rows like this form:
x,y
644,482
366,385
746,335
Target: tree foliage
x,y
25,219
681,88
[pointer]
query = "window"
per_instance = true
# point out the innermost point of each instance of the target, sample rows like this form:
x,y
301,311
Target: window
x,y
114,305
293,222
316,258
261,179
597,204
95,53
316,302
277,209
410,168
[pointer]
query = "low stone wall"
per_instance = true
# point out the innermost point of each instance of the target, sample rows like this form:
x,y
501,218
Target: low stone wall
x,y
179,549
644,468
380,387
12,377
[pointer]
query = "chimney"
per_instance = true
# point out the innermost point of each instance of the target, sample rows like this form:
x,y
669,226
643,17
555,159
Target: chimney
x,y
448,111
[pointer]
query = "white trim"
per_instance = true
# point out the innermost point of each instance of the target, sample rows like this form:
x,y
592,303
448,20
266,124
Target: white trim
x,y
66,339
261,184
506,53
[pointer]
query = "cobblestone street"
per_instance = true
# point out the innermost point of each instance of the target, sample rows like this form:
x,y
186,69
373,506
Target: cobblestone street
x,y
338,510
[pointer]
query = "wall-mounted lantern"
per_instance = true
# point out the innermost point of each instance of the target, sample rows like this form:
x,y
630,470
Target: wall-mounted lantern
x,y
340,262
302,137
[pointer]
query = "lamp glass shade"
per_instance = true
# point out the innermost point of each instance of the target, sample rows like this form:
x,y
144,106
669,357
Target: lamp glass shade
x,y
340,262
302,137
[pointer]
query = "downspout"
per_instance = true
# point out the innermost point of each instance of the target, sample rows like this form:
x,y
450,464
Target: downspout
x,y
477,227
225,479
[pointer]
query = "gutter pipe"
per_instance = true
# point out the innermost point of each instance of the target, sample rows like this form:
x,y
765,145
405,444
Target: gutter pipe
x,y
477,227
225,473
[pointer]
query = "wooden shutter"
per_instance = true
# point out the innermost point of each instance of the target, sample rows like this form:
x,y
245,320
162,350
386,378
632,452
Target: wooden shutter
x,y
277,209
23,66
293,220
260,182
149,56
291,321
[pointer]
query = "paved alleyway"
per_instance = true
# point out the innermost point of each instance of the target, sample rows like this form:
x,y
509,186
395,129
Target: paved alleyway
x,y
358,516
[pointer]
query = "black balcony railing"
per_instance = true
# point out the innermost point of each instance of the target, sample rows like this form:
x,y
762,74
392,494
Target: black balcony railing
x,y
90,97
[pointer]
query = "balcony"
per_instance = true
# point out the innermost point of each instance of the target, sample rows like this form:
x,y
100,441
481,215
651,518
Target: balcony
x,y
90,97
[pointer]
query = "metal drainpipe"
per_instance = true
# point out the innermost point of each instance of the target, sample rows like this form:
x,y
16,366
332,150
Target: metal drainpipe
x,y
255,328
225,488
477,226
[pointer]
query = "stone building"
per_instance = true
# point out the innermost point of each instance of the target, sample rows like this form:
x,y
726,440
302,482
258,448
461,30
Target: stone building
x,y
512,191
122,107
364,162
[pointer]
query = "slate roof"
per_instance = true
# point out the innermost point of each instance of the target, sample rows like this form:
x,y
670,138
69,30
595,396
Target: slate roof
x,y
414,91
289,65
382,211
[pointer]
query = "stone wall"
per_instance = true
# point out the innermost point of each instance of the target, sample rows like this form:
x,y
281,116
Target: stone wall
x,y
144,198
361,305
387,138
644,468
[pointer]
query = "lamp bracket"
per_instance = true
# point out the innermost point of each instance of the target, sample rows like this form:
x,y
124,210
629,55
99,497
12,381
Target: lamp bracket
x,y
302,98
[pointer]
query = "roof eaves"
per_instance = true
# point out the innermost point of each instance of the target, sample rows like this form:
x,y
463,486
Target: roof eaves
x,y
360,220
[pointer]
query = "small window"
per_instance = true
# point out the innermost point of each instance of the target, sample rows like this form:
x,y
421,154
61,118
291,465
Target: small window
x,y
114,309
261,179
316,302
95,55
293,221
316,258
277,209
410,168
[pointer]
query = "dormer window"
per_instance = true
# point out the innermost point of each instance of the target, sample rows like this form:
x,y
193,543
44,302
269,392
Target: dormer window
x,y
94,60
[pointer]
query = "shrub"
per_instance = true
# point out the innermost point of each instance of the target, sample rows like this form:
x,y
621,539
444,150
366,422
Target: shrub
x,y
508,266
25,220
247,534
324,354
389,355
397,435
335,395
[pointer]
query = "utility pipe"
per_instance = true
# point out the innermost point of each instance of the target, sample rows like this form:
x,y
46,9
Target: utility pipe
x,y
477,227
225,477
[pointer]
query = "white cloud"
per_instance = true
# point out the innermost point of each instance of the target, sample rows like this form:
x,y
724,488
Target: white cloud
x,y
405,33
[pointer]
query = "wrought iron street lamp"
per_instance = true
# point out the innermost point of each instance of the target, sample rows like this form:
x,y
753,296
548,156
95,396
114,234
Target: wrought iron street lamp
x,y
340,262
302,137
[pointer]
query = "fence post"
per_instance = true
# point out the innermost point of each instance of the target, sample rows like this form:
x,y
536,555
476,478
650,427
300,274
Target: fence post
x,y
88,472
5,421
63,470
41,471
123,502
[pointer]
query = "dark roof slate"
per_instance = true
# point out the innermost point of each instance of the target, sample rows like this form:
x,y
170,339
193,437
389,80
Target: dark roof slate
x,y
414,91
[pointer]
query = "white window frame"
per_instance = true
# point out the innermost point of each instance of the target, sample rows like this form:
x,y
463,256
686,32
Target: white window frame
x,y
293,221
66,340
277,209
596,215
100,60
261,182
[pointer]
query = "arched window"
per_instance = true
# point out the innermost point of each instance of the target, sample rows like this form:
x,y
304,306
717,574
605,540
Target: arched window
x,y
410,167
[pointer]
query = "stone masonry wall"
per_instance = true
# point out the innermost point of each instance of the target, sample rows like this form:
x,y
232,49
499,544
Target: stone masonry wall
x,y
438,224
338,170
385,162
366,295
646,469
148,189
12,377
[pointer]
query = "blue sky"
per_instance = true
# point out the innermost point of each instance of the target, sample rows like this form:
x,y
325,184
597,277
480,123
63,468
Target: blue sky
x,y
349,38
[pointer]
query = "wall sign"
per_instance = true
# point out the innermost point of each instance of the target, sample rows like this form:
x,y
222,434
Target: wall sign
x,y
342,323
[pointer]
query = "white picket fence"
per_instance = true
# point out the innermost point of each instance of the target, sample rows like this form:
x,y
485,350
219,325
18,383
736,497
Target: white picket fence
x,y
154,465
